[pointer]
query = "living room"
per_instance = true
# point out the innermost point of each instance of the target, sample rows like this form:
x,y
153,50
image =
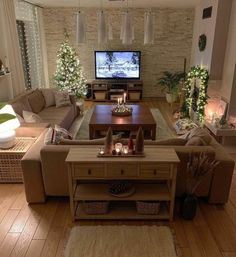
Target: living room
x,y
117,125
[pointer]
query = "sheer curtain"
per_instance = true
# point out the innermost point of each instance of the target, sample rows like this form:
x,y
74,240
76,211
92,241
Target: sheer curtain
x,y
7,11
31,17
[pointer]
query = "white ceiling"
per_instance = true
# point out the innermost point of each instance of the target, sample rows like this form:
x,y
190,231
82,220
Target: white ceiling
x,y
116,3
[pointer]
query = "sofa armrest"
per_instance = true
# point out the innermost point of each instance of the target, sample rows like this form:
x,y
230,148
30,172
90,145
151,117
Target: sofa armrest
x,y
32,173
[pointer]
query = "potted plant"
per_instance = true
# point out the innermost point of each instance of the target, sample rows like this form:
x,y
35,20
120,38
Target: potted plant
x,y
199,167
170,84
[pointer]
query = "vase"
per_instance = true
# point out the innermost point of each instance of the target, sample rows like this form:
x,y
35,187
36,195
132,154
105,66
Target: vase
x,y
139,146
109,142
188,206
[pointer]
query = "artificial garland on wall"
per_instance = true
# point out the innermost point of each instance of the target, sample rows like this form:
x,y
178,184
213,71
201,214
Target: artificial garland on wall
x,y
202,75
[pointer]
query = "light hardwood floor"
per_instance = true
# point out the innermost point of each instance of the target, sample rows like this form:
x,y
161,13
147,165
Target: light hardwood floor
x,y
41,230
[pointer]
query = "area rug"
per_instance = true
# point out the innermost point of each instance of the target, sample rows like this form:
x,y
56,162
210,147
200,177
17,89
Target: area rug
x,y
162,130
120,241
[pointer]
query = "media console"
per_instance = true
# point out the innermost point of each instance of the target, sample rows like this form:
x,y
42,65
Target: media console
x,y
110,90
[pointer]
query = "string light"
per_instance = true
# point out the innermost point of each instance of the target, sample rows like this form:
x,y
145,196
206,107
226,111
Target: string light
x,y
197,72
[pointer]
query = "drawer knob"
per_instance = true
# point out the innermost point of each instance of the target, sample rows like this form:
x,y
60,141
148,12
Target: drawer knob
x,y
122,172
89,172
155,172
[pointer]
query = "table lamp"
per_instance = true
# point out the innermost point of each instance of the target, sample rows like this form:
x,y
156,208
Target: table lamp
x,y
8,124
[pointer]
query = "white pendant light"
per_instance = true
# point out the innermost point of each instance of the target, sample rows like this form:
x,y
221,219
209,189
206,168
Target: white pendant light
x,y
80,28
127,30
102,28
149,30
110,32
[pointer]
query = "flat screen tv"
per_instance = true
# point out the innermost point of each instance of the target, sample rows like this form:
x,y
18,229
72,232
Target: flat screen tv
x,y
117,64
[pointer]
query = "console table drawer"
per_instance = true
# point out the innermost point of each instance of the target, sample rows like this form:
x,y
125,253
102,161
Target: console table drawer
x,y
128,170
89,171
160,171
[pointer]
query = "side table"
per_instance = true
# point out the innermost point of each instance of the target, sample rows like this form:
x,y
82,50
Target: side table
x,y
10,160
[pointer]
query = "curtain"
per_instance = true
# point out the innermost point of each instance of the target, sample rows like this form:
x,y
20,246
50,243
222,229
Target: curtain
x,y
13,49
43,48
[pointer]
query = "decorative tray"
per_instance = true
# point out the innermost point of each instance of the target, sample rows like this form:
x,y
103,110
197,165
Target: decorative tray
x,y
121,155
121,114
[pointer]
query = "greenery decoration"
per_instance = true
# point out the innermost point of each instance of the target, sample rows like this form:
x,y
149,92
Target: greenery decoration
x,y
69,75
170,81
200,73
5,116
202,42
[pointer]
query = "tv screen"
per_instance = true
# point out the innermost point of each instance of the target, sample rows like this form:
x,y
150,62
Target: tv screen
x,y
117,64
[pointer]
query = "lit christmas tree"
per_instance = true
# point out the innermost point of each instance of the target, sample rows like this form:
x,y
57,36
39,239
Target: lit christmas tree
x,y
69,75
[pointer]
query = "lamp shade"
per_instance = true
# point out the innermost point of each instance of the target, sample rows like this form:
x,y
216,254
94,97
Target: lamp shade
x,y
11,124
102,28
149,28
80,30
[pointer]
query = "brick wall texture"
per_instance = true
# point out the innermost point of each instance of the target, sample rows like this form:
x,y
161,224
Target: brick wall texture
x,y
173,40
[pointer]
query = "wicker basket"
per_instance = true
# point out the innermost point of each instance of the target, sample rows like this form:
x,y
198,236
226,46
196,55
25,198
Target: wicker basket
x,y
150,208
100,95
134,96
96,207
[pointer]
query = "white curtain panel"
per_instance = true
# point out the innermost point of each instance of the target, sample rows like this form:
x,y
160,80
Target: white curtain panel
x,y
43,48
102,28
149,28
12,46
80,30
127,30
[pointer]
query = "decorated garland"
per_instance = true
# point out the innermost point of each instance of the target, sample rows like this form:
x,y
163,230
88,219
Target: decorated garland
x,y
195,73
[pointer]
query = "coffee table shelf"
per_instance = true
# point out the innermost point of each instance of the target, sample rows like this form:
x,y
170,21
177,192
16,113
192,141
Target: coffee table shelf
x,y
143,192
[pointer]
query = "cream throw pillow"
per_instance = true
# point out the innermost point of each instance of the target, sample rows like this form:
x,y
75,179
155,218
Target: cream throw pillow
x,y
31,117
62,99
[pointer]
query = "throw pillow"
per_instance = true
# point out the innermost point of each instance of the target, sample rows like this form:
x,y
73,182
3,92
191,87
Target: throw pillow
x,y
195,141
54,136
31,117
49,96
20,105
62,99
36,101
21,120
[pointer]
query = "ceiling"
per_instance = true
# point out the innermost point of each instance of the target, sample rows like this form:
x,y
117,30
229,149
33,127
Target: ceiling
x,y
116,3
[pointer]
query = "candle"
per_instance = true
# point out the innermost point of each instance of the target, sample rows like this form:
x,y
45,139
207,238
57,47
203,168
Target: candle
x,y
125,149
124,98
118,147
101,151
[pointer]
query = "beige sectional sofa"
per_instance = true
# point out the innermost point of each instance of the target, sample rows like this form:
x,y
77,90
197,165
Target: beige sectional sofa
x,y
45,171
34,101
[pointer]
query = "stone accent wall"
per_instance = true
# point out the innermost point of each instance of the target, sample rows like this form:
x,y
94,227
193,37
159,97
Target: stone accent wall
x,y
173,40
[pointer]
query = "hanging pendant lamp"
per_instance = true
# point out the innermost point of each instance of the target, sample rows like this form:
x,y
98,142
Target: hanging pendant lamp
x,y
102,28
80,28
149,30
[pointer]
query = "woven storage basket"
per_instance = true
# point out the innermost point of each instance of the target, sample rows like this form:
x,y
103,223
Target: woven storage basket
x,y
96,207
134,96
148,207
100,95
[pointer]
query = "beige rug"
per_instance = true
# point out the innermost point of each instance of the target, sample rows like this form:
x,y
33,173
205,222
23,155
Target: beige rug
x,y
120,241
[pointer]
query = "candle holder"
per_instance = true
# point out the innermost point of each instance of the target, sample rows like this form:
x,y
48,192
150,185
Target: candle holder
x,y
122,110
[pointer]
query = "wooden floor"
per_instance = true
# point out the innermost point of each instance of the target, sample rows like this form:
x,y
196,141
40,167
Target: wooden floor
x,y
42,229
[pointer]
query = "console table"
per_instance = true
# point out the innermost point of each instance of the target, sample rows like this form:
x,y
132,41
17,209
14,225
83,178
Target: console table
x,y
154,177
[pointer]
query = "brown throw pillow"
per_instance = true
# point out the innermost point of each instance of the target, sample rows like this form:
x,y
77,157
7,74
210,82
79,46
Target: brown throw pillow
x,y
36,101
49,96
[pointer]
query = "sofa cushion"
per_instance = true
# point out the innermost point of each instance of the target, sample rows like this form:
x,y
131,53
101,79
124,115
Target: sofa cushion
x,y
31,117
195,141
62,116
49,96
20,105
55,135
62,99
36,101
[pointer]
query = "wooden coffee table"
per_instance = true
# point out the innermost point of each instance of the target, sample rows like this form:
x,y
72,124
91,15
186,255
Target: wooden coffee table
x,y
102,119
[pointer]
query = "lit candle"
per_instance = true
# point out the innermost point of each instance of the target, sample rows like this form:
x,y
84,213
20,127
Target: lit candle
x,y
101,151
118,147
125,149
124,98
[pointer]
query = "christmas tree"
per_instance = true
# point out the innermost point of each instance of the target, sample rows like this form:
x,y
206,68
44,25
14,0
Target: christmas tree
x,y
69,75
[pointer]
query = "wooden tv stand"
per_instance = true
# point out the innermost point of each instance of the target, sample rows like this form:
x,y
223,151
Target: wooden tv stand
x,y
154,177
110,90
